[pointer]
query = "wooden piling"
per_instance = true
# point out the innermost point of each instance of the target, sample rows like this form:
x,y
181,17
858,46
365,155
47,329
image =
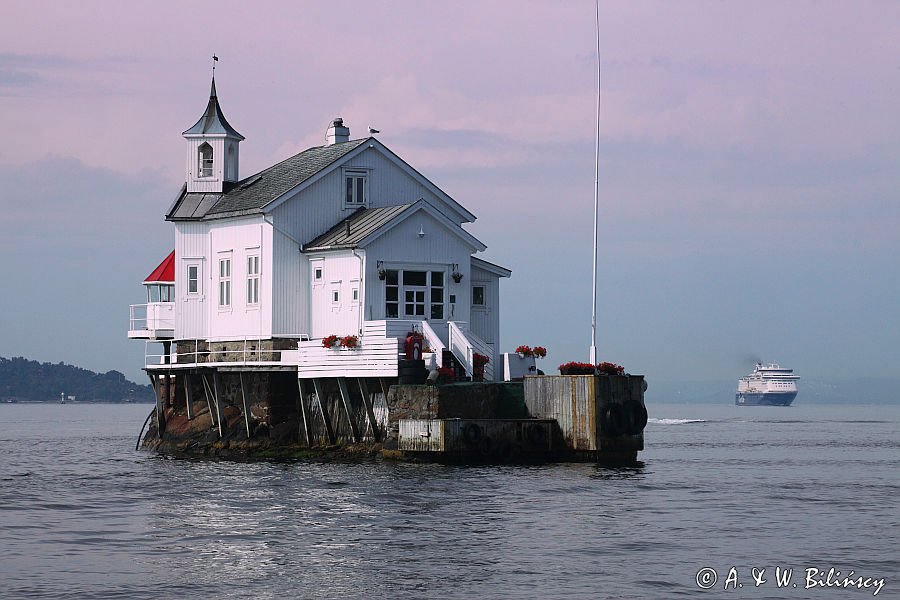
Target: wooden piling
x,y
370,412
208,393
160,411
329,429
218,395
246,405
305,420
348,408
188,397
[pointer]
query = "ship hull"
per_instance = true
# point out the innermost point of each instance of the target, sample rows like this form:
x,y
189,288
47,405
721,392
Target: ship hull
x,y
760,399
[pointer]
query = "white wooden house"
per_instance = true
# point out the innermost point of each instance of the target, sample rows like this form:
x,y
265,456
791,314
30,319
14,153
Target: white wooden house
x,y
344,238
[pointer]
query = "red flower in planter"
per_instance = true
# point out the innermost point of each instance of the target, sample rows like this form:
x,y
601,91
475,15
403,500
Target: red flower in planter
x,y
576,368
525,350
330,341
539,351
478,362
609,368
579,368
349,341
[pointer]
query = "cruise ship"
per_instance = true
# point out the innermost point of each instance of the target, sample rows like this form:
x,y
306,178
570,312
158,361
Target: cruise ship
x,y
767,385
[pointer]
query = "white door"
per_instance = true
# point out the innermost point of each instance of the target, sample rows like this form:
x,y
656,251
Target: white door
x,y
480,314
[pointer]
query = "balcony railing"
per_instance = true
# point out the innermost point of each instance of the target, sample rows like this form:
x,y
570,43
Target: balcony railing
x,y
152,320
247,351
380,348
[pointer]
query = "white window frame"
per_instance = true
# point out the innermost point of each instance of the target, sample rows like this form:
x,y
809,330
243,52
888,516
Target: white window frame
x,y
483,303
188,265
427,302
352,200
334,293
203,161
253,274
317,279
224,290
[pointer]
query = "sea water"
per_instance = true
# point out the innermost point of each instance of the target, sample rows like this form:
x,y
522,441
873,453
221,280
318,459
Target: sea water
x,y
730,502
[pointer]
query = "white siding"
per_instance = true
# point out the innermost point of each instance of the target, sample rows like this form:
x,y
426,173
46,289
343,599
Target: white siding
x,y
485,320
205,184
191,247
240,237
321,206
341,275
438,250
290,310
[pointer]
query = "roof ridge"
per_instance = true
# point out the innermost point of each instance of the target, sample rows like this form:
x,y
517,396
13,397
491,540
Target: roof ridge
x,y
279,163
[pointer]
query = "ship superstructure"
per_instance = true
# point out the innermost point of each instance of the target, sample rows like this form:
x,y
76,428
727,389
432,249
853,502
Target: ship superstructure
x,y
767,385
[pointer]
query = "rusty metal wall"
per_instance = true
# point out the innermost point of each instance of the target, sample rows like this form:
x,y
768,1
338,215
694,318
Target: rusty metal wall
x,y
577,403
572,401
487,438
423,435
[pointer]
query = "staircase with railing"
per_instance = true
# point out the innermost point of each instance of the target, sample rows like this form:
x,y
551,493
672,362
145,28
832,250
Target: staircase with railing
x,y
434,342
464,345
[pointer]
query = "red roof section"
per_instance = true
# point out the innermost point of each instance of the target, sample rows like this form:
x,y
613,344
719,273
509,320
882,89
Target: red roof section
x,y
165,272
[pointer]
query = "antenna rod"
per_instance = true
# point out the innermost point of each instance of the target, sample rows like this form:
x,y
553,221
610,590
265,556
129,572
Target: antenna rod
x,y
596,197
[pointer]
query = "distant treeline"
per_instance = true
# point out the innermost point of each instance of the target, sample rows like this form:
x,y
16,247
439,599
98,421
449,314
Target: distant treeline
x,y
22,379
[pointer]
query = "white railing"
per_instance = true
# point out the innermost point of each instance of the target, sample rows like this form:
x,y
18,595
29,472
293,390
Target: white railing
x,y
464,344
434,342
247,352
152,317
461,348
374,357
395,328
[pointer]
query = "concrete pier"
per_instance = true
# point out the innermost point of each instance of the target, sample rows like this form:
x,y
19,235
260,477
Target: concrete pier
x,y
248,412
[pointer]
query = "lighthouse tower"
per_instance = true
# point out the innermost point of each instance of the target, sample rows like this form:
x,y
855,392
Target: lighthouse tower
x,y
212,150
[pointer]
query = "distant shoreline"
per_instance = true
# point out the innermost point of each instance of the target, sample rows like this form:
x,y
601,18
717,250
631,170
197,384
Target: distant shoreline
x,y
30,401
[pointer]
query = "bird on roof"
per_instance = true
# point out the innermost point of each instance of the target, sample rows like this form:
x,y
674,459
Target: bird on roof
x,y
372,130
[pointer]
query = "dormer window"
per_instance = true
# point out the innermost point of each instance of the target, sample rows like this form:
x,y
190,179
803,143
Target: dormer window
x,y
356,186
205,160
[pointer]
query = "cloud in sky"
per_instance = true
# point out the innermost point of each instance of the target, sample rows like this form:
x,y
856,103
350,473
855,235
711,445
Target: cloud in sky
x,y
745,147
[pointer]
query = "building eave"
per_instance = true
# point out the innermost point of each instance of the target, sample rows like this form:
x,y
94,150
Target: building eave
x,y
422,205
490,267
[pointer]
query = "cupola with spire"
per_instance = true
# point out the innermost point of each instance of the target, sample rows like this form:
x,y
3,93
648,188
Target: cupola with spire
x,y
212,150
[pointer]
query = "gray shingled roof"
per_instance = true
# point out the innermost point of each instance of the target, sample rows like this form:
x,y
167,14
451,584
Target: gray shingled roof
x,y
252,194
362,223
213,120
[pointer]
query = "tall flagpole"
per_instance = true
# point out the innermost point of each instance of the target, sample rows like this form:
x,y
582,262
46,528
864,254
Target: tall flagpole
x,y
596,196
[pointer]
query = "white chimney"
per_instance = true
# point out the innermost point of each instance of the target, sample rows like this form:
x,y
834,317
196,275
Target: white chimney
x,y
337,133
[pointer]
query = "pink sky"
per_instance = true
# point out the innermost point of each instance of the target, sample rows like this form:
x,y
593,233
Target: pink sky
x,y
731,132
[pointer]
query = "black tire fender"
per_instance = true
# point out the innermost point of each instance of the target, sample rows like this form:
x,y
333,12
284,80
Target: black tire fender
x,y
471,433
637,418
613,420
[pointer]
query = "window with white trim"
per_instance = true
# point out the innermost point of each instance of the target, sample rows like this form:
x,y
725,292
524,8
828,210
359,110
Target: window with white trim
x,y
356,186
204,160
252,279
317,271
478,295
225,282
193,279
416,294
392,294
